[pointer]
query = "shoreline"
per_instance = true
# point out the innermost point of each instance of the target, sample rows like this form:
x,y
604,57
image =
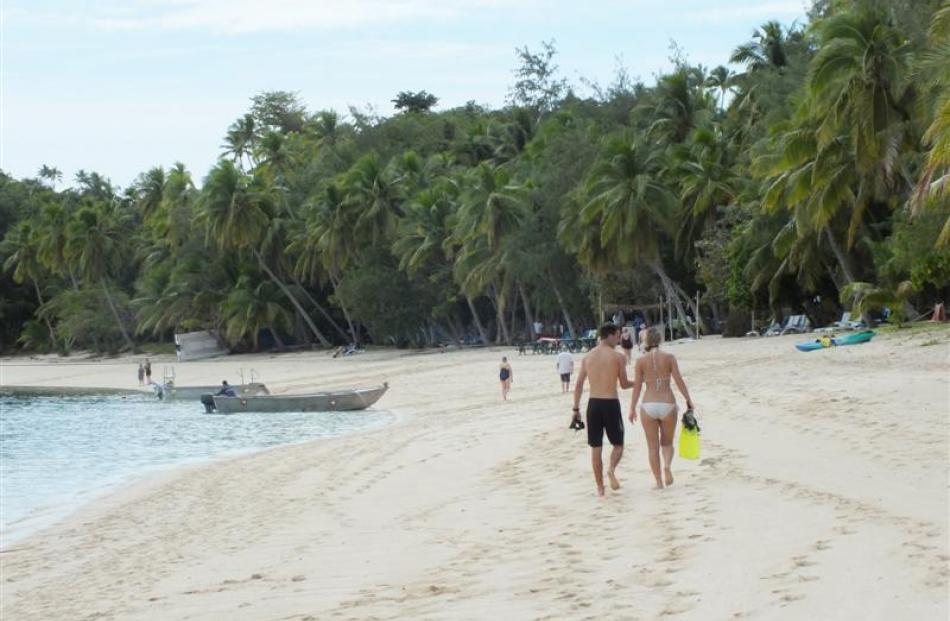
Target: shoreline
x,y
466,504
135,484
68,391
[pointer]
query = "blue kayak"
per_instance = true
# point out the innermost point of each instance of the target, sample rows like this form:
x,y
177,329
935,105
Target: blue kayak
x,y
855,338
848,339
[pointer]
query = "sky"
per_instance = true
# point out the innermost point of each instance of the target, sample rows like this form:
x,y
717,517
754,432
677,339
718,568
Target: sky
x,y
120,86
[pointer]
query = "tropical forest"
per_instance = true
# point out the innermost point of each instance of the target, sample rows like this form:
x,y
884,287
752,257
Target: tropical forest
x,y
809,173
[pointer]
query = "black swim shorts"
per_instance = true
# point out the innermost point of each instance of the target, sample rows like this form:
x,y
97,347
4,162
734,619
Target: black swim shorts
x,y
565,377
604,415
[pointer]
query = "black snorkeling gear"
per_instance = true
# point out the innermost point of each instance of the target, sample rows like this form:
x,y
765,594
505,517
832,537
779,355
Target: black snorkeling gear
x,y
689,420
576,423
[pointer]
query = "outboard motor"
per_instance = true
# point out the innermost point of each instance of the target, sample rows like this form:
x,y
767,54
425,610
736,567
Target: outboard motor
x,y
208,401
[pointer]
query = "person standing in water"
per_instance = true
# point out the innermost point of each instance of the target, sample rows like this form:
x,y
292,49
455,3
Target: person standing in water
x,y
654,370
506,375
148,371
141,374
604,368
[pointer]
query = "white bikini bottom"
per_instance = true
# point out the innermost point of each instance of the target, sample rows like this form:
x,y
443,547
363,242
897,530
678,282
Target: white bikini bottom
x,y
657,410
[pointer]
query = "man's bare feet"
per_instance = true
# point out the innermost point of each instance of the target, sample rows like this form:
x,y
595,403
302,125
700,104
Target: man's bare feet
x,y
658,486
614,483
600,491
668,476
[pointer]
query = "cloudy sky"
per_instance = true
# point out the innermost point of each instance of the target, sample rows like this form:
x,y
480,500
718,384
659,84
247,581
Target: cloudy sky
x,y
119,86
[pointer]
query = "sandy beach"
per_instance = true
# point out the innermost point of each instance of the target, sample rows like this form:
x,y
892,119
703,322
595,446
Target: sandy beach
x,y
822,494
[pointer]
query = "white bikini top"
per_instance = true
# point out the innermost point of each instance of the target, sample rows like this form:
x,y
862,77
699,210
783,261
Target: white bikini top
x,y
659,380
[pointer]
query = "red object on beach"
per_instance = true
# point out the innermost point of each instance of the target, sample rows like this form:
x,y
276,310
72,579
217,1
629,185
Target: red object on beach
x,y
940,313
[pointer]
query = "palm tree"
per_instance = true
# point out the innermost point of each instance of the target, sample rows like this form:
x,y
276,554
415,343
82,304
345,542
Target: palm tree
x,y
858,80
625,210
241,140
237,210
815,182
720,79
94,243
765,50
424,229
321,248
325,126
703,168
51,174
375,196
51,231
149,191
22,251
933,187
492,205
492,208
94,185
681,105
248,310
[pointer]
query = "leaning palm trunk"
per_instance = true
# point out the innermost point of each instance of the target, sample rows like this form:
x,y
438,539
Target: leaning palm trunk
x,y
567,315
840,256
671,293
478,322
322,311
49,326
528,315
691,302
115,313
845,265
502,335
346,313
277,339
290,296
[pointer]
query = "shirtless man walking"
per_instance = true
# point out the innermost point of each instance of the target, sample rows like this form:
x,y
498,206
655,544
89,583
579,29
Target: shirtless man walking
x,y
604,367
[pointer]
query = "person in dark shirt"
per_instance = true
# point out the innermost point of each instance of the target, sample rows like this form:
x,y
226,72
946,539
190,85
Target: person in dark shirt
x,y
226,390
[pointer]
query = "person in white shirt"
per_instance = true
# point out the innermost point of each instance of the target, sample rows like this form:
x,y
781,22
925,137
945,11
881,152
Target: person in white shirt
x,y
565,366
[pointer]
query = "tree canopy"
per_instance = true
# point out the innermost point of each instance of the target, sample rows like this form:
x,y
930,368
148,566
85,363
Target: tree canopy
x,y
807,174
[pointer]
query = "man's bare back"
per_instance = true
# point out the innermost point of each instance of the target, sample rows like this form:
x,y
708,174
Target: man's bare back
x,y
604,368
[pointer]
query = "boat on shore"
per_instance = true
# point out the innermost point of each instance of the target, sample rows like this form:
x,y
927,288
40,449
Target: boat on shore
x,y
327,401
170,392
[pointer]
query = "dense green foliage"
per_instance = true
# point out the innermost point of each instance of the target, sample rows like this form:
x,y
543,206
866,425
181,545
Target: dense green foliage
x,y
813,177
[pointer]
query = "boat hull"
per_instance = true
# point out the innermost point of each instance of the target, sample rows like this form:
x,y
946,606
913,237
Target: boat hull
x,y
330,401
173,392
855,339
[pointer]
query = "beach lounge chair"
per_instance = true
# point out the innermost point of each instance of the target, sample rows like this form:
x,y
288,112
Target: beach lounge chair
x,y
774,329
842,325
796,324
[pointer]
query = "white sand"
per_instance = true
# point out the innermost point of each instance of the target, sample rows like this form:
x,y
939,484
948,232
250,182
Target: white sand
x,y
823,494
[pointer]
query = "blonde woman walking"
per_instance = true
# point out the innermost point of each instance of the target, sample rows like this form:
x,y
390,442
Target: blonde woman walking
x,y
654,371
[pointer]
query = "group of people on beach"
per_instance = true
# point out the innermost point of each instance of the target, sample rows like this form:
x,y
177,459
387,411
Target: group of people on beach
x,y
145,372
605,369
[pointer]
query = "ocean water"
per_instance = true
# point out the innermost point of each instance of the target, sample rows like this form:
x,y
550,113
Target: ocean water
x,y
57,453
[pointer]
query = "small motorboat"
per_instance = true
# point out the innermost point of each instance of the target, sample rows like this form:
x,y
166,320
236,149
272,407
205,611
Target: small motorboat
x,y
169,391
328,401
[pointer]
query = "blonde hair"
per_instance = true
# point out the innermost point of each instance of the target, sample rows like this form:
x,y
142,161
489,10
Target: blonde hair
x,y
653,338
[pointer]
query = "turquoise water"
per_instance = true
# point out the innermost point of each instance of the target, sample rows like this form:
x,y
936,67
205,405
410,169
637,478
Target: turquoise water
x,y
59,452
